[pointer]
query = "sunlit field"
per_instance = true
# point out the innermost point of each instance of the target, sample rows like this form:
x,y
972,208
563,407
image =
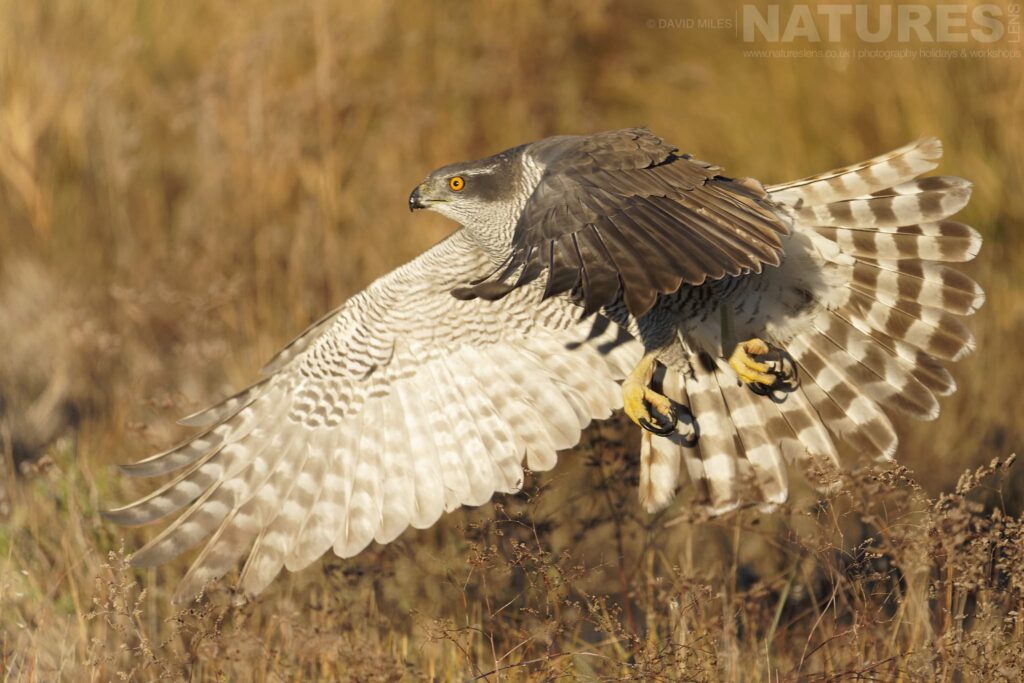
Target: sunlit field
x,y
184,186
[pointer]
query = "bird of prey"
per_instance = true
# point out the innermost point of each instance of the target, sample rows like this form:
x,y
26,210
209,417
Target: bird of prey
x,y
748,326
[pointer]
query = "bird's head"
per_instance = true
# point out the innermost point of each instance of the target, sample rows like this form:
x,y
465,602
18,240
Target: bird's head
x,y
474,192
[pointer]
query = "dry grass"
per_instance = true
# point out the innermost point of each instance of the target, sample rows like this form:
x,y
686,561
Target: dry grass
x,y
185,185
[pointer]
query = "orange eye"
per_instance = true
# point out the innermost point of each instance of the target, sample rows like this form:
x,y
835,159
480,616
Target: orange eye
x,y
456,183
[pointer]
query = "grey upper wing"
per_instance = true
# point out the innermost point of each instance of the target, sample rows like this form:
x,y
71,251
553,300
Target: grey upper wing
x,y
402,404
623,211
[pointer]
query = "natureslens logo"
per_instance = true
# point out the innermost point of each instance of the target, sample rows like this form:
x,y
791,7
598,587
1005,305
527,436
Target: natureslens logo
x,y
876,23
866,30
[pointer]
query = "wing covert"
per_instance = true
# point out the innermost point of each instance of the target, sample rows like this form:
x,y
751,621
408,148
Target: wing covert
x,y
624,212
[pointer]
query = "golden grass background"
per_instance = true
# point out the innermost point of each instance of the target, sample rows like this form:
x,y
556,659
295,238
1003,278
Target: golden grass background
x,y
185,185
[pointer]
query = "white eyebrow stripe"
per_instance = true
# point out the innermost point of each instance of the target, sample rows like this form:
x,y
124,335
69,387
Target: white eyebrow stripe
x,y
479,171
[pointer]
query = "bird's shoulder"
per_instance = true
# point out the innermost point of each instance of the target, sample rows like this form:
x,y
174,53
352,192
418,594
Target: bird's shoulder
x,y
624,149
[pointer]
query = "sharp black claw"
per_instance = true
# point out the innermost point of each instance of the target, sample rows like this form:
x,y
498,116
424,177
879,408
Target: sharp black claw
x,y
665,424
784,370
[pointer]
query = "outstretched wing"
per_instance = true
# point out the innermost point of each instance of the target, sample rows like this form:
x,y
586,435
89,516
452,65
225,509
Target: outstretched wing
x,y
622,210
402,404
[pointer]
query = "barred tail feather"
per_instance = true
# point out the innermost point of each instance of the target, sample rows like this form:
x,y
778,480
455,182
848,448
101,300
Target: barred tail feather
x,y
882,375
655,494
660,460
814,443
891,311
724,434
760,433
716,442
945,241
928,284
858,180
855,415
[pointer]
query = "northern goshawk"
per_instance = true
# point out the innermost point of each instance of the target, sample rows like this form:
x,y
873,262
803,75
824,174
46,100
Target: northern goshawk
x,y
748,326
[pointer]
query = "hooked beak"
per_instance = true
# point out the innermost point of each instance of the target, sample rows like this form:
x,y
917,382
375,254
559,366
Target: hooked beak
x,y
416,198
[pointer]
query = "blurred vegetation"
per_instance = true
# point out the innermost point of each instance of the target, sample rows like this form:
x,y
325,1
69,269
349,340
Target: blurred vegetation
x,y
186,185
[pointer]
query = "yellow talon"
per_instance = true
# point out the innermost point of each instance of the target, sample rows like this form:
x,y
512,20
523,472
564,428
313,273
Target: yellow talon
x,y
748,369
638,399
